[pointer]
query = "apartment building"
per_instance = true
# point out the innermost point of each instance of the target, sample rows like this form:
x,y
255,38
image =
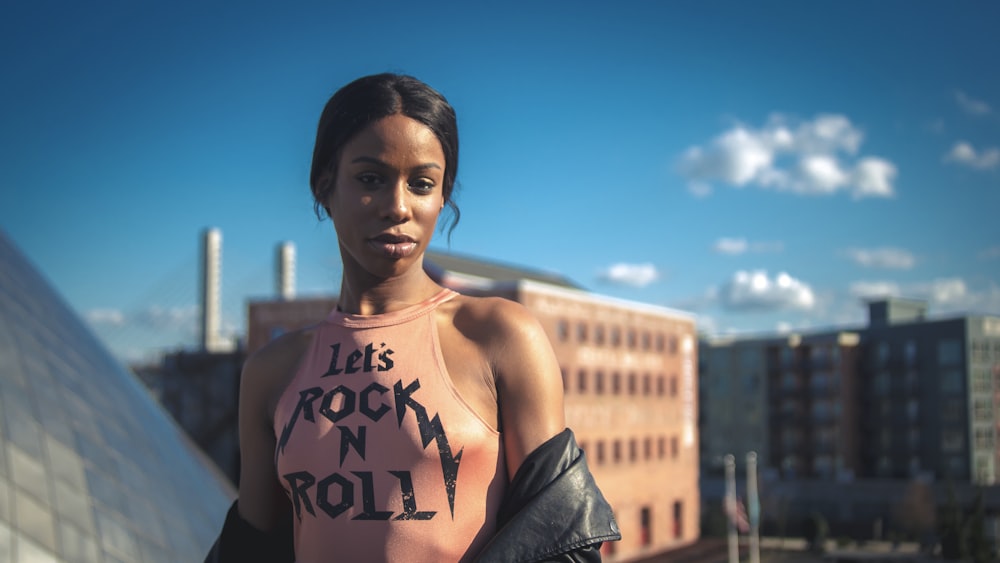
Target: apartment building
x,y
902,398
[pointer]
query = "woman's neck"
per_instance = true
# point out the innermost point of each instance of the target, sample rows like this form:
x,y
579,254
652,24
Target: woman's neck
x,y
365,295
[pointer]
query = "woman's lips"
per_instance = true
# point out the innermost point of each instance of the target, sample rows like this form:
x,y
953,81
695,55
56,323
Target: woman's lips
x,y
393,246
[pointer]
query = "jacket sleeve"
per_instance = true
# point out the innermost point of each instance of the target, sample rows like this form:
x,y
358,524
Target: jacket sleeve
x,y
239,542
553,510
586,554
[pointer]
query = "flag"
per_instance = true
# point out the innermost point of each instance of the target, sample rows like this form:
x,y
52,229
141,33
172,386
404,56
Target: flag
x,y
737,514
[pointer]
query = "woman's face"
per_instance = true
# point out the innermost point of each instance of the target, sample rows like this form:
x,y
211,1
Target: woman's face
x,y
387,195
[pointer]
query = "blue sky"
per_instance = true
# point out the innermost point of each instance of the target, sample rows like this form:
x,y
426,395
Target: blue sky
x,y
762,165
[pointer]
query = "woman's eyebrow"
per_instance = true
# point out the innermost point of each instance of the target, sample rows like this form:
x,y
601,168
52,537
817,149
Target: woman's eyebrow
x,y
377,162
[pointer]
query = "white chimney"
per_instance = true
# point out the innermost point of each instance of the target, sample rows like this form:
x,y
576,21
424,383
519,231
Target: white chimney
x,y
211,278
285,274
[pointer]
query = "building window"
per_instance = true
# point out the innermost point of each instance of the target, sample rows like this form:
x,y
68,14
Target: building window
x,y
647,384
673,345
599,383
949,352
661,447
951,409
633,450
647,448
951,381
645,340
674,449
581,332
982,382
884,467
630,342
599,335
882,353
616,451
951,441
885,438
982,409
562,330
632,384
600,452
616,383
661,385
956,466
881,383
673,385
659,342
910,353
678,519
582,381
984,438
645,527
616,340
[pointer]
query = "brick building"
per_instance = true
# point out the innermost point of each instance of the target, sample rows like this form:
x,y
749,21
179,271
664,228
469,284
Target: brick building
x,y
630,378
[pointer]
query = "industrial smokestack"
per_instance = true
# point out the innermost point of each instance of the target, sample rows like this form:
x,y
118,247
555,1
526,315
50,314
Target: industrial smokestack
x,y
285,273
211,278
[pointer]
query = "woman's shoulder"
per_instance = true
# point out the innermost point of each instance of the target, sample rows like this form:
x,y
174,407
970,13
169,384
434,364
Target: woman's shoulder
x,y
493,320
271,368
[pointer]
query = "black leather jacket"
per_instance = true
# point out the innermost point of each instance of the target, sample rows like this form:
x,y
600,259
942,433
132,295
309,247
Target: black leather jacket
x,y
552,512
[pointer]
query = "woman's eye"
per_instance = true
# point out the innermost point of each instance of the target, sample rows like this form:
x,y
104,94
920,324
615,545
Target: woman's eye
x,y
368,178
422,185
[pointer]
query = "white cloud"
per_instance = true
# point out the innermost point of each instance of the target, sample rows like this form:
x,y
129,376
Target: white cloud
x,y
874,289
990,253
155,317
166,318
885,258
822,172
735,246
108,317
935,126
945,291
944,295
700,189
731,246
636,275
755,290
822,151
972,106
872,177
964,153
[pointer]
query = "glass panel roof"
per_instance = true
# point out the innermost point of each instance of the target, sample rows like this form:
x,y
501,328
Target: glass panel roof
x,y
91,467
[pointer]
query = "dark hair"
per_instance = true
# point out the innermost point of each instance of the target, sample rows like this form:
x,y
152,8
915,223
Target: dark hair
x,y
365,101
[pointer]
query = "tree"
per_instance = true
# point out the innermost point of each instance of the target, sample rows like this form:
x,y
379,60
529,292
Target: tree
x,y
978,547
915,513
815,530
953,532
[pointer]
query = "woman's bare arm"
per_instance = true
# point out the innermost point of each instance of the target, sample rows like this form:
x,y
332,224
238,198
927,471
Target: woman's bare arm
x,y
528,380
262,501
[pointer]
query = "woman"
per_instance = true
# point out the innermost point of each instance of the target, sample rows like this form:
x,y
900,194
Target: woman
x,y
390,431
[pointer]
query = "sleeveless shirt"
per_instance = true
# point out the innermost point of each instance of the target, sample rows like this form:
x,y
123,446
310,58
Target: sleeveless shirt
x,y
380,456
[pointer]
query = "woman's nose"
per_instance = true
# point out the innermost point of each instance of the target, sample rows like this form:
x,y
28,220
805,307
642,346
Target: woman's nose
x,y
395,204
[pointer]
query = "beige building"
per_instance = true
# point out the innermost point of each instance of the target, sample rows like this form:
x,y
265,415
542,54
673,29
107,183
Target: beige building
x,y
630,375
